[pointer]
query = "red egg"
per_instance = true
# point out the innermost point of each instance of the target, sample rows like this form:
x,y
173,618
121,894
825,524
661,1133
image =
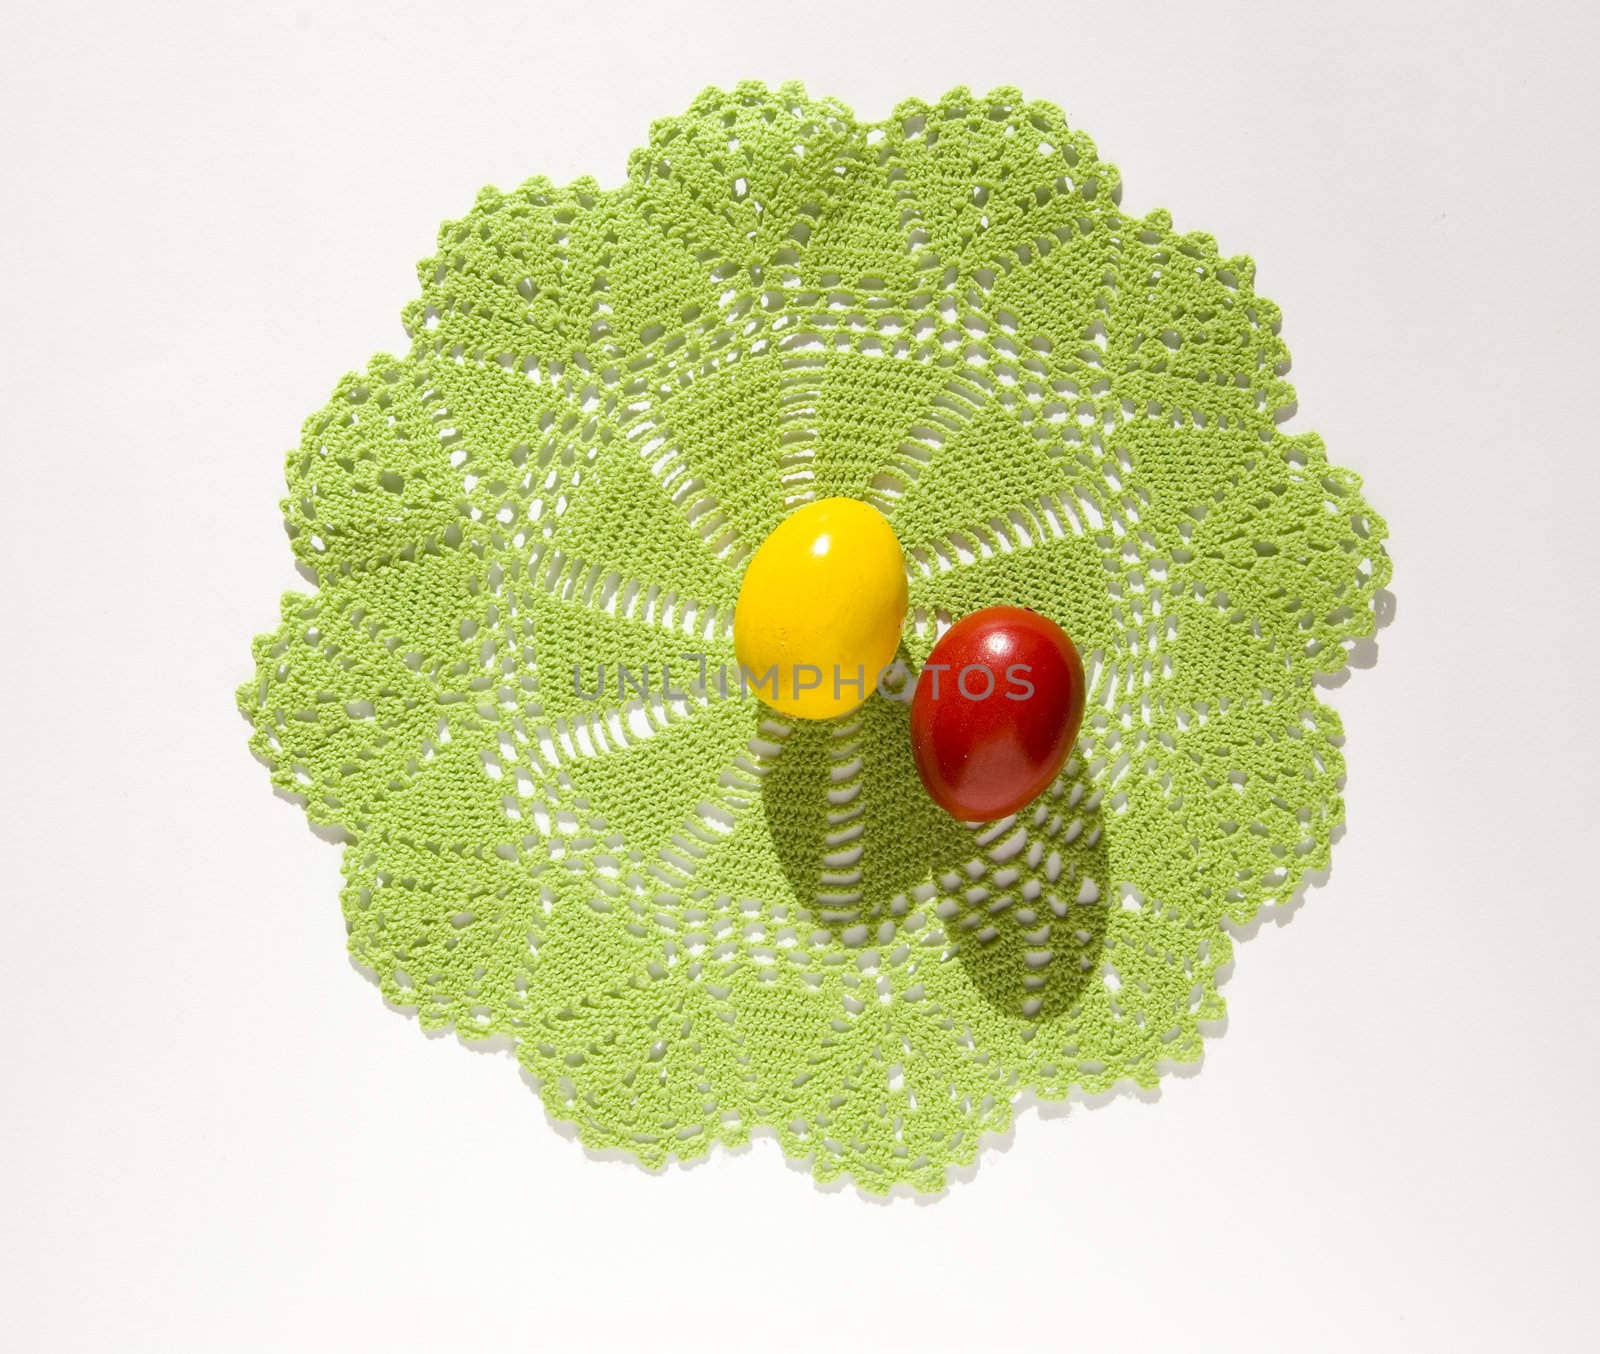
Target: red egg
x,y
996,710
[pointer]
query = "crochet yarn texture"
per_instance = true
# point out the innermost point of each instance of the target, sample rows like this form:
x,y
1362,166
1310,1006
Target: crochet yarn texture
x,y
690,916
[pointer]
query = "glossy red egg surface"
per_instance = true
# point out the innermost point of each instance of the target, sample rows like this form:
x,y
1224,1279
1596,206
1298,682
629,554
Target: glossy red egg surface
x,y
996,711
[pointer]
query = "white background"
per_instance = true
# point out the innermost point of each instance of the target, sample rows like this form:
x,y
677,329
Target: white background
x,y
214,1135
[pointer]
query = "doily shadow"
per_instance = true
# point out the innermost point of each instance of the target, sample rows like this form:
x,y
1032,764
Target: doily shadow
x,y
1363,653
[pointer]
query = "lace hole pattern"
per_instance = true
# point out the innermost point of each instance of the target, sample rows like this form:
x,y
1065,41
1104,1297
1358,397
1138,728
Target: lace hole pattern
x,y
691,918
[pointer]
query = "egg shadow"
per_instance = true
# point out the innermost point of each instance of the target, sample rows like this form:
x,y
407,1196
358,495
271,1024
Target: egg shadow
x,y
859,839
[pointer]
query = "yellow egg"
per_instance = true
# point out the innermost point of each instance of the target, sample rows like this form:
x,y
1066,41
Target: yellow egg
x,y
820,609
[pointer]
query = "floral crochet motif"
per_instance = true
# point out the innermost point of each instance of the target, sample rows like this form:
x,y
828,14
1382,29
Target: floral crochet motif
x,y
691,916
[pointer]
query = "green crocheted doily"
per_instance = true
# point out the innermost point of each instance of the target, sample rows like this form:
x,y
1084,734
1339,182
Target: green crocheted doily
x,y
691,917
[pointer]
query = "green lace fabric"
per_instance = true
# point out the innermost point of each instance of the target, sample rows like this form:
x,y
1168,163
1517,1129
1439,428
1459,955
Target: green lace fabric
x,y
693,918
